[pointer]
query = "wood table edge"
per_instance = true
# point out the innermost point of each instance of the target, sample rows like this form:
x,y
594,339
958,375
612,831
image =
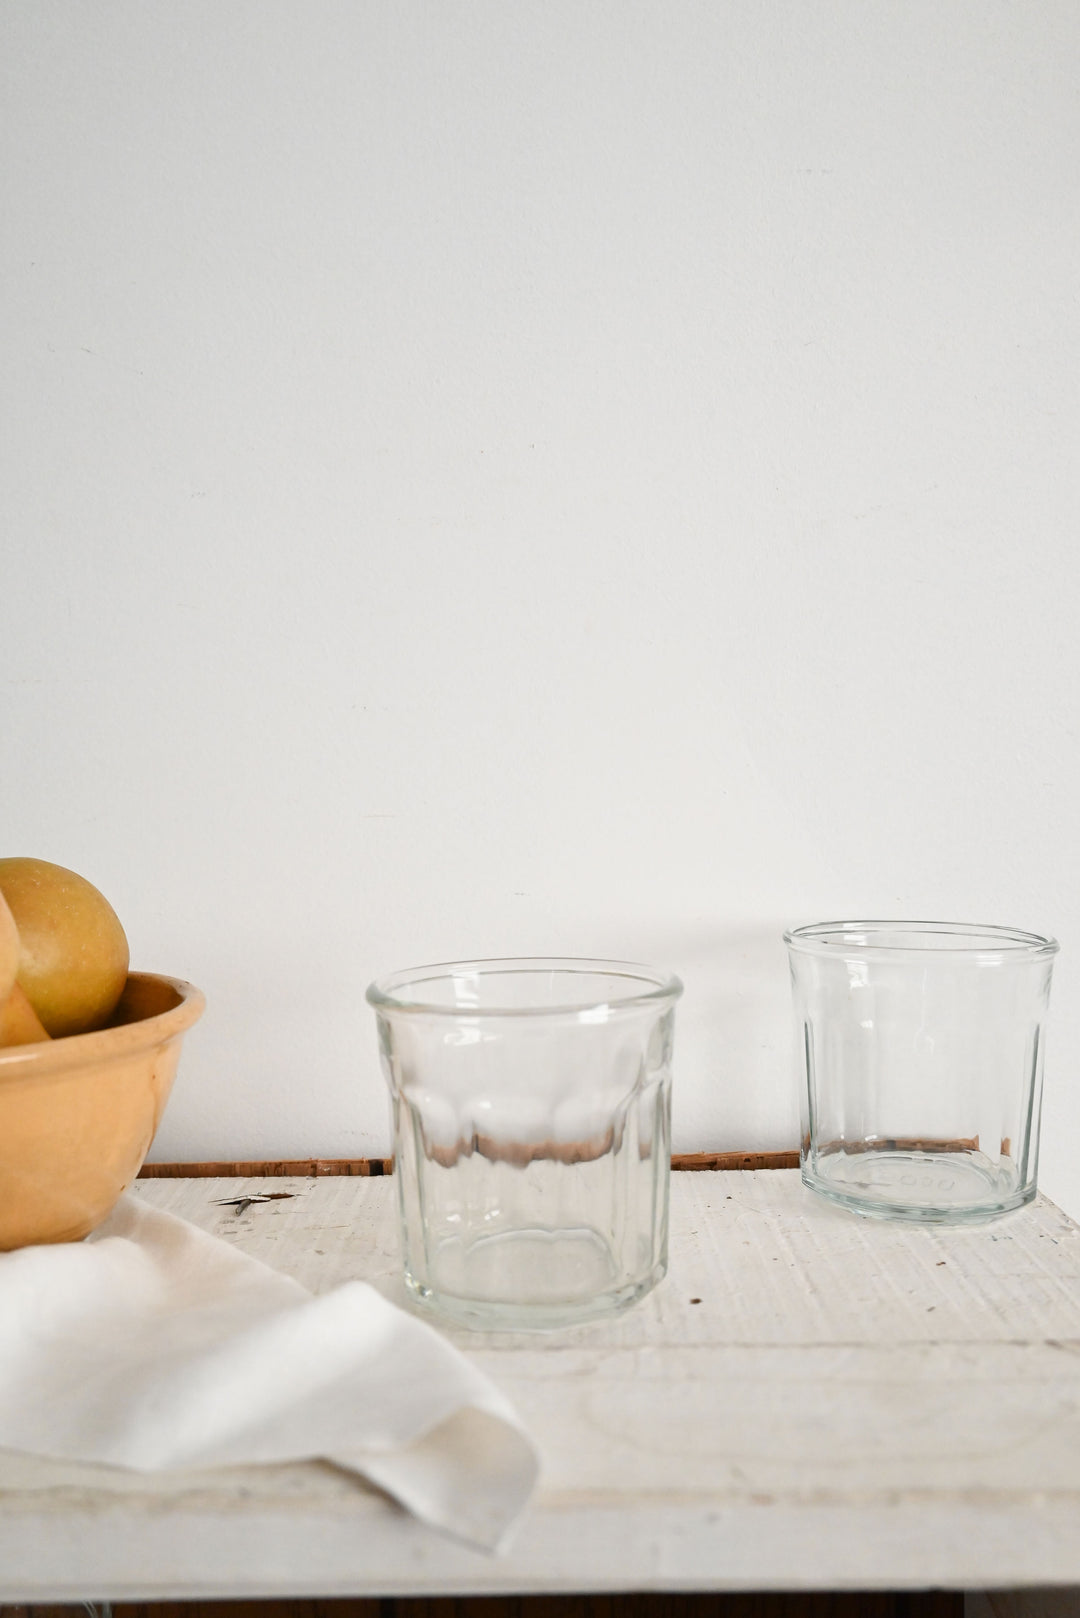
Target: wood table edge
x,y
316,1167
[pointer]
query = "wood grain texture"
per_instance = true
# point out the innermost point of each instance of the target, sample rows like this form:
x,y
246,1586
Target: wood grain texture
x,y
808,1401
317,1167
307,1167
735,1161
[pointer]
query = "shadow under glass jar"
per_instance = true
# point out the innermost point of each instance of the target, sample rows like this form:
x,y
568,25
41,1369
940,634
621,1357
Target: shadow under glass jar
x,y
531,1106
920,1047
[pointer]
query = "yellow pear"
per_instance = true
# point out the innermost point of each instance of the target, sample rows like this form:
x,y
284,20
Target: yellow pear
x,y
19,1022
73,954
9,949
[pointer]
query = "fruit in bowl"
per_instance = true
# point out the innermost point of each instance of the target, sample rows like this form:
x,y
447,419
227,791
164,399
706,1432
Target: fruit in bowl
x,y
88,1053
72,952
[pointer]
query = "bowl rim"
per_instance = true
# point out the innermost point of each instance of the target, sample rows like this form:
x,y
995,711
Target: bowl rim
x,y
51,1056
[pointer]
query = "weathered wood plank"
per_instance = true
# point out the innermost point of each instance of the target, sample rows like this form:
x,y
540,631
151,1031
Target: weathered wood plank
x,y
808,1401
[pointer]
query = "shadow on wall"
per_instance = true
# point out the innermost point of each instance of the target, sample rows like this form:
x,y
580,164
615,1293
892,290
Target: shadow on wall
x,y
735,1083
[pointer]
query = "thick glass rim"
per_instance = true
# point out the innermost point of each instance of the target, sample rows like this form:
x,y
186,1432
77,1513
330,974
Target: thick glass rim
x,y
903,938
652,987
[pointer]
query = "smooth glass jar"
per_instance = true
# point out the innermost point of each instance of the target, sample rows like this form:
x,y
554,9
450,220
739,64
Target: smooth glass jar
x,y
920,1049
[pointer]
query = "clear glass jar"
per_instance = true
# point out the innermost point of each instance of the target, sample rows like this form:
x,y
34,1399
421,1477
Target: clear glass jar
x,y
531,1116
920,1047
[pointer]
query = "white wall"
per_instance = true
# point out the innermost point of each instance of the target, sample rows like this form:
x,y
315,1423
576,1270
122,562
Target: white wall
x,y
575,477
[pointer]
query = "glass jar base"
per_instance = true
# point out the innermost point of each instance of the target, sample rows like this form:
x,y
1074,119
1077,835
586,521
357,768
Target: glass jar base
x,y
941,1188
528,1280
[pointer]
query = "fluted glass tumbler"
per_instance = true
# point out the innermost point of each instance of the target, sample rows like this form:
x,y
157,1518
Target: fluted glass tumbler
x,y
920,1053
531,1115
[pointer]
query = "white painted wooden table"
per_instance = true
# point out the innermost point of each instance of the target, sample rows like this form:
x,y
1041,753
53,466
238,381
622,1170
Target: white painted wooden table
x,y
809,1401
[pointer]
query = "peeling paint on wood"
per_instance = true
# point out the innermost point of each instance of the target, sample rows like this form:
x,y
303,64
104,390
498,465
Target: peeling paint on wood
x,y
808,1401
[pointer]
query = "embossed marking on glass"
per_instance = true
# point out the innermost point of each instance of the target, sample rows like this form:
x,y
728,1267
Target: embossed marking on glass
x,y
531,1114
920,1047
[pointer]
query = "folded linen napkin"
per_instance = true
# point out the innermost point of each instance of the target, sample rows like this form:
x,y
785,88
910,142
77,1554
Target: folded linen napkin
x,y
153,1345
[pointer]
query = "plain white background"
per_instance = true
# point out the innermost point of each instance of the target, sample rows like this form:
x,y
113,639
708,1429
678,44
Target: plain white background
x,y
555,477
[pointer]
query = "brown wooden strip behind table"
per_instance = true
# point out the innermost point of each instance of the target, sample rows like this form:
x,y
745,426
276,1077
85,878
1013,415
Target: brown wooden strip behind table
x,y
315,1167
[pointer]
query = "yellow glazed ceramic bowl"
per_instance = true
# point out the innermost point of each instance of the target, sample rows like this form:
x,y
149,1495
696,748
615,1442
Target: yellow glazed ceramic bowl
x,y
77,1115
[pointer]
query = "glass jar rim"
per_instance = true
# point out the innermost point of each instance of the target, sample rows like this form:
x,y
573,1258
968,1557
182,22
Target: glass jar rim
x,y
919,938
654,987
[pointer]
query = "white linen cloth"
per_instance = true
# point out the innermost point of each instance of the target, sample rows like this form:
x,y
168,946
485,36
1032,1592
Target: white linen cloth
x,y
153,1345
